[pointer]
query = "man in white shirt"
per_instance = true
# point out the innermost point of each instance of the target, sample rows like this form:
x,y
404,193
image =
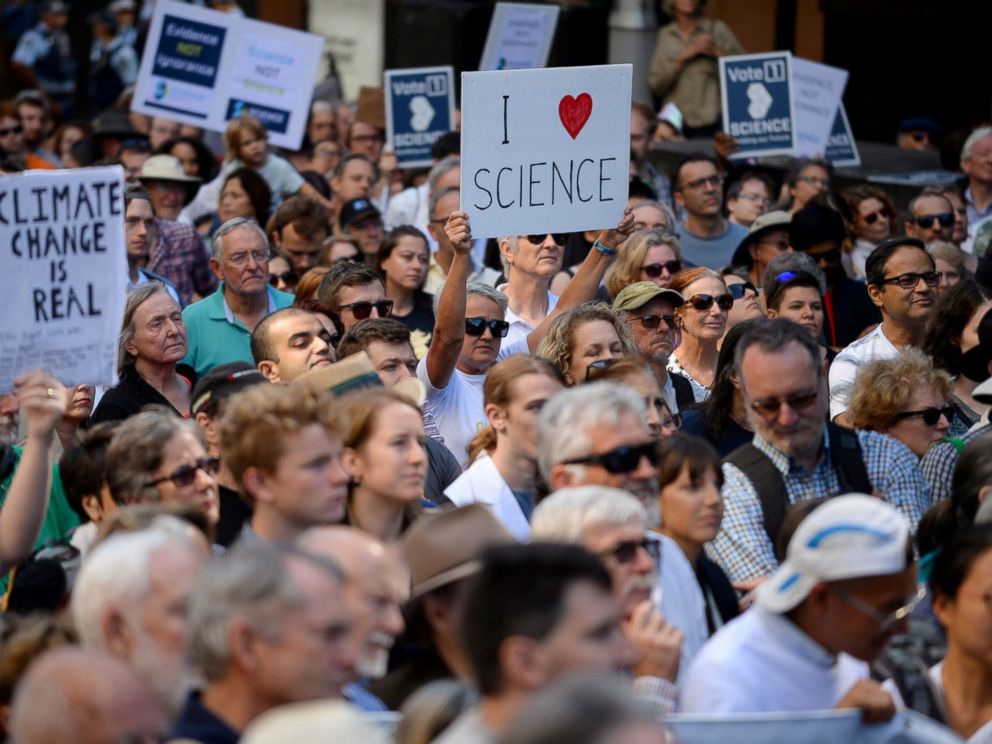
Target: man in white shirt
x,y
846,587
902,282
530,262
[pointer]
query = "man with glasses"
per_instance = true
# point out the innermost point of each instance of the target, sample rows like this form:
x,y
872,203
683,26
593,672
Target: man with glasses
x,y
847,585
902,282
219,327
354,292
794,455
749,197
931,218
707,237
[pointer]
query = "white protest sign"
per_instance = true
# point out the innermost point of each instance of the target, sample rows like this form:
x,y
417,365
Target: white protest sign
x,y
203,67
63,273
817,90
545,150
519,37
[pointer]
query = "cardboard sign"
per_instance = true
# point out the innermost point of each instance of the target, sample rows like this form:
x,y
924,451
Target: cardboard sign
x,y
545,150
420,107
818,90
519,37
842,150
202,67
758,104
63,273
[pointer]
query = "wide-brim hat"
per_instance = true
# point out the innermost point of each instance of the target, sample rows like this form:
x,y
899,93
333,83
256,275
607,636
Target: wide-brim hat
x,y
776,220
168,168
639,294
444,547
356,372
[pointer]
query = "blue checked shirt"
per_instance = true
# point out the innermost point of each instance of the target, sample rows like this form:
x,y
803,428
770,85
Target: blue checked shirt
x,y
940,460
743,548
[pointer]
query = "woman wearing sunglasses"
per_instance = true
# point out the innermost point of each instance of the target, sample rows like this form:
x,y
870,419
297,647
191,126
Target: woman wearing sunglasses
x,y
646,256
870,215
745,294
904,397
281,274
157,457
402,261
587,334
702,320
503,454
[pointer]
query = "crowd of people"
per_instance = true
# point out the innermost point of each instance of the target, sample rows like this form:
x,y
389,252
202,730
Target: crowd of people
x,y
365,475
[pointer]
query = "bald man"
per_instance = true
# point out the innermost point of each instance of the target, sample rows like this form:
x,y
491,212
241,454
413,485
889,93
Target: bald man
x,y
74,696
378,583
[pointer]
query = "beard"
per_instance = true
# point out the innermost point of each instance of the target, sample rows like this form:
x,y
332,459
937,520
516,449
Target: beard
x,y
373,661
167,674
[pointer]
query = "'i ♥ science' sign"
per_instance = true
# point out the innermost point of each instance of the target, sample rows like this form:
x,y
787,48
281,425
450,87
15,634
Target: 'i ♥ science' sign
x,y
545,150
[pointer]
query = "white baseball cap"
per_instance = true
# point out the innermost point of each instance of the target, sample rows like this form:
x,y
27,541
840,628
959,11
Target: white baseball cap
x,y
848,537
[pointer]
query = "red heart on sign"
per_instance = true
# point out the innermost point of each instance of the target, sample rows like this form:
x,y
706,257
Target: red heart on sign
x,y
574,113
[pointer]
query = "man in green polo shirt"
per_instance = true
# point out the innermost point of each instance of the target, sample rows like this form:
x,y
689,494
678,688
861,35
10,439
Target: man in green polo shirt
x,y
219,326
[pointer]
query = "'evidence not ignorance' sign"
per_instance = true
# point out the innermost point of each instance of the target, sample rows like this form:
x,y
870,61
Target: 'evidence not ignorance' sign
x,y
63,273
545,150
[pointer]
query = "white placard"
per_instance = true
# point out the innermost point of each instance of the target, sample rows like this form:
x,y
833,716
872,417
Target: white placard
x,y
817,91
203,67
519,37
63,273
545,150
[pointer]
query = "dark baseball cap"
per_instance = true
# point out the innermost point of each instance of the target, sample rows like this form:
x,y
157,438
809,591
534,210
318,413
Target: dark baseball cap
x,y
357,210
222,382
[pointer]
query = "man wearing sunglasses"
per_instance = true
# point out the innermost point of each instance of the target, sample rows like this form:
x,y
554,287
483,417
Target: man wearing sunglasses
x,y
707,237
529,264
931,218
290,342
795,455
902,282
847,585
354,292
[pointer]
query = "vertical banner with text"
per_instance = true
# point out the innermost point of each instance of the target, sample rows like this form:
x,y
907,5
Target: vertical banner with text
x,y
63,273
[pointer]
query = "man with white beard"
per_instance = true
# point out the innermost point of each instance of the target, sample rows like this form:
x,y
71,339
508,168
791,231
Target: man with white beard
x,y
378,583
130,601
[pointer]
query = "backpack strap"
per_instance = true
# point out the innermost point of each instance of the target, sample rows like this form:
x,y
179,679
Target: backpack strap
x,y
847,459
768,484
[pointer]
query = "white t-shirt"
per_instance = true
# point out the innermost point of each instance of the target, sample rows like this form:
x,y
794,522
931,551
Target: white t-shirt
x,y
409,207
761,662
851,359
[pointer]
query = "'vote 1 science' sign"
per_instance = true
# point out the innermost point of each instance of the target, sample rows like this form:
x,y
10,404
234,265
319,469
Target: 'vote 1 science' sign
x,y
758,105
545,150
63,273
203,67
420,107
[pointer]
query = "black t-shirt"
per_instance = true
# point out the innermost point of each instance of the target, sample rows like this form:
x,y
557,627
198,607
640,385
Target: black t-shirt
x,y
421,318
234,512
127,398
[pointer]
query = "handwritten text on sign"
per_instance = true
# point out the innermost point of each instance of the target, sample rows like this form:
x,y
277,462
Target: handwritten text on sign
x,y
63,271
545,150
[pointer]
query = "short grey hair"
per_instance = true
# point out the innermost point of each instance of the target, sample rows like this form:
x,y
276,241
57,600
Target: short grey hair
x,y
565,515
564,422
117,574
514,242
926,194
442,166
794,262
438,196
670,220
236,223
477,288
973,138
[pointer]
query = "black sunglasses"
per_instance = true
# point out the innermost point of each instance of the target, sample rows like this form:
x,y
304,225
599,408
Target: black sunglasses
x,y
16,129
654,270
362,310
926,221
651,322
704,302
184,475
737,290
559,238
286,277
872,218
626,552
929,415
910,279
623,459
770,407
478,326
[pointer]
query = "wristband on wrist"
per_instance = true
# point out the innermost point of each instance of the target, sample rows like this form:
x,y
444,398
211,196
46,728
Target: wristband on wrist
x,y
605,250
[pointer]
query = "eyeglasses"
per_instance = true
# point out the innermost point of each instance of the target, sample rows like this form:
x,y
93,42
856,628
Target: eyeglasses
x,y
703,302
362,310
240,259
367,138
871,219
929,415
626,552
911,279
754,198
769,407
672,422
885,621
815,181
737,290
478,326
621,460
654,270
715,180
946,219
827,258
651,322
7,131
285,277
559,238
184,475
